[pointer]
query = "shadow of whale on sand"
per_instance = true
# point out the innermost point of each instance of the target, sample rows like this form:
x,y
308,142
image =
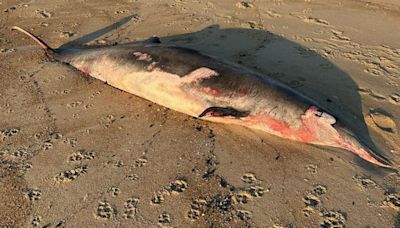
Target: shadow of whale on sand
x,y
276,57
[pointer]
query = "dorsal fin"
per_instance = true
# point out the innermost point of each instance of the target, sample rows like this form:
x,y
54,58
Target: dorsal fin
x,y
36,39
153,40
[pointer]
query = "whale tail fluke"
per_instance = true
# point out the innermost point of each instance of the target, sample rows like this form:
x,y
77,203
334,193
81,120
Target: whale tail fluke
x,y
40,42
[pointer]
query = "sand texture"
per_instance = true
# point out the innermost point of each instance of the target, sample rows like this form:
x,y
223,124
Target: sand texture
x,y
75,152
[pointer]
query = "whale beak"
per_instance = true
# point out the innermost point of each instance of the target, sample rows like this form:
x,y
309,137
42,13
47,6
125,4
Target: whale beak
x,y
349,142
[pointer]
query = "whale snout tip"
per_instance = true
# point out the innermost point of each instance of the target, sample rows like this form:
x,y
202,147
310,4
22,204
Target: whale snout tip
x,y
349,142
367,155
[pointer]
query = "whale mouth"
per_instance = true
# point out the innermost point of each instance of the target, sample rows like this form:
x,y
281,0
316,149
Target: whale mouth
x,y
349,142
327,131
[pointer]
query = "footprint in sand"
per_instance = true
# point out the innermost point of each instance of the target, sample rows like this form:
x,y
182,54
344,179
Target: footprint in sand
x,y
118,163
319,190
66,91
249,178
47,145
34,194
393,201
71,141
18,154
174,188
164,219
254,25
44,13
132,177
244,5
312,168
81,155
383,120
88,106
7,50
272,14
70,175
9,132
256,191
36,221
338,35
178,186
365,182
373,70
317,21
105,210
197,209
141,162
114,191
313,200
242,197
130,208
26,166
244,215
372,94
56,136
395,98
333,219
251,191
74,104
330,218
95,94
108,120
157,199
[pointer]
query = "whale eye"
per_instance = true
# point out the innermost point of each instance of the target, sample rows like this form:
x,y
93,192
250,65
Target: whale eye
x,y
322,116
318,112
327,117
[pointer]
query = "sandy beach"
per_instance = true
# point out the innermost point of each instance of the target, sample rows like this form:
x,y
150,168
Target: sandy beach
x,y
76,152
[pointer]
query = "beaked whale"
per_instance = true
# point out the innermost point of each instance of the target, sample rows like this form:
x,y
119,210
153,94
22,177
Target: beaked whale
x,y
211,89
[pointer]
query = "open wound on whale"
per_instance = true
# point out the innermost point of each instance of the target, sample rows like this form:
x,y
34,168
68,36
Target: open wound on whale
x,y
142,56
315,126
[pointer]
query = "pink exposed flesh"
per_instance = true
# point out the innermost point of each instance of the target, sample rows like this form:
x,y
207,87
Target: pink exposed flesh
x,y
361,153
